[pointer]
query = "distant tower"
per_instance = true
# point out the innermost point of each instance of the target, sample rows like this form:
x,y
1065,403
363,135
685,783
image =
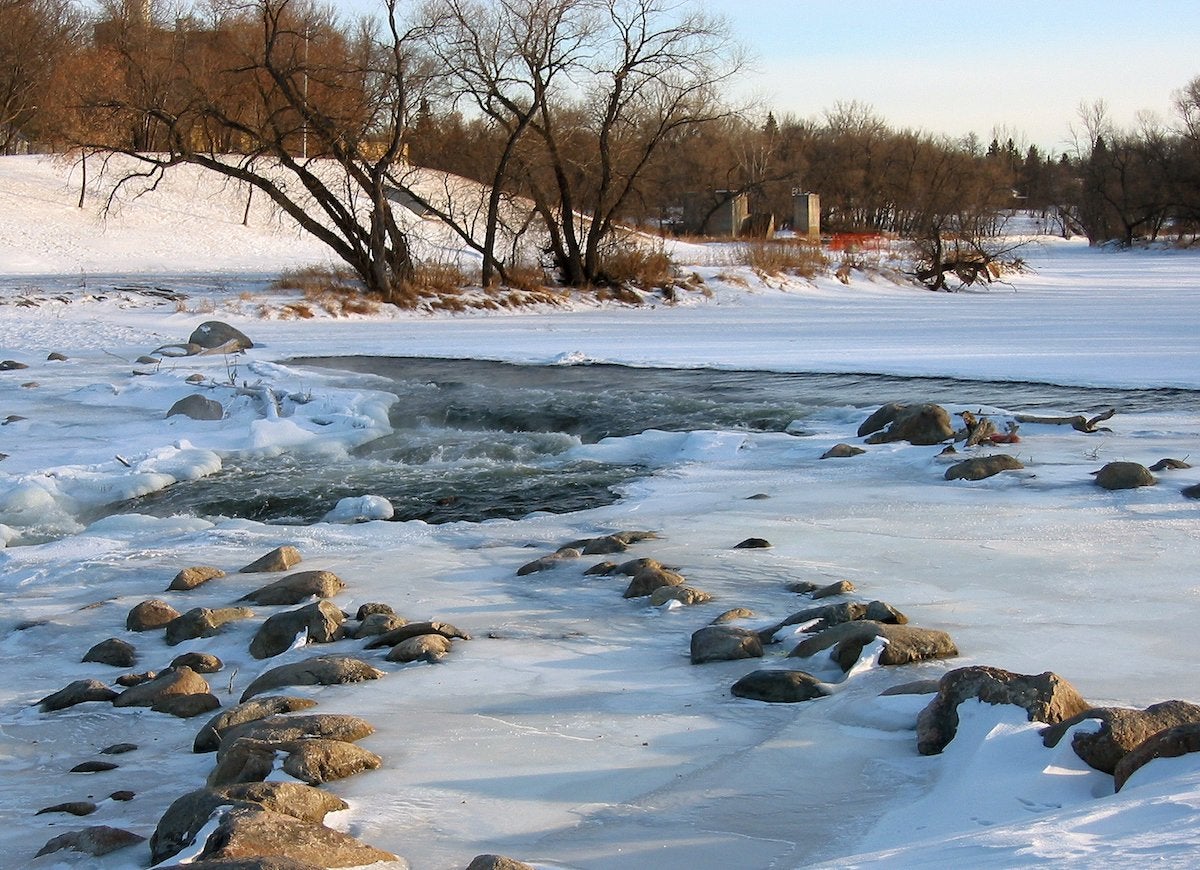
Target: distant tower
x,y
806,215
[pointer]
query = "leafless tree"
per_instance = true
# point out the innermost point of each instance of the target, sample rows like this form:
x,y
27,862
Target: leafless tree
x,y
35,36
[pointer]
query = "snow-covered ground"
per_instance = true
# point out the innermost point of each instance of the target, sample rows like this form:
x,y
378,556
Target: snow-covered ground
x,y
573,732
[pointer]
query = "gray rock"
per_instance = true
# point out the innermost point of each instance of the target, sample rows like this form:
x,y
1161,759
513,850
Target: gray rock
x,y
190,578
149,615
718,643
981,467
279,559
1045,697
295,588
1124,475
1121,730
202,622
753,544
915,687
1172,743
209,737
197,407
605,545
316,671
114,651
1192,491
320,622
96,841
78,692
94,767
215,333
779,687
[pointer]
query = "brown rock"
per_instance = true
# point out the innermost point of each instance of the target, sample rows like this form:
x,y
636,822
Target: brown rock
x,y
370,608
316,760
842,451
202,622
1172,743
320,621
1169,464
282,729
880,419
190,578
905,643
316,671
718,643
244,760
172,681
151,614
917,424
114,651
209,737
96,841
78,692
294,588
197,407
685,595
416,629
279,559
981,467
1124,475
94,767
496,862
74,808
245,833
841,587
779,687
201,663
376,624
186,706
1120,731
732,615
648,579
1045,698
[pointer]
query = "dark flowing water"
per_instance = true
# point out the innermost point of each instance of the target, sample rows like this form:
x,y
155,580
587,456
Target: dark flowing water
x,y
475,440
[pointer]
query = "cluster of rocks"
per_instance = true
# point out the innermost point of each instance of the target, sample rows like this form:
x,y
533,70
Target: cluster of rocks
x,y
237,813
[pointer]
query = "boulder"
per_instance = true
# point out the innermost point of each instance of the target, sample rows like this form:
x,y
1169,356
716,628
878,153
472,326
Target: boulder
x,y
829,615
73,808
189,813
925,424
779,686
913,687
149,615
279,559
718,643
127,680
94,767
981,467
496,862
685,595
319,622
172,681
545,563
245,833
1045,697
186,706
430,648
317,760
648,579
215,333
197,407
259,862
244,760
605,545
202,622
416,629
114,651
1171,743
753,544
95,841
201,663
371,608
55,356
841,587
905,643
209,737
1120,731
78,692
634,566
376,624
880,419
842,451
1124,475
12,365
316,671
1192,491
732,615
190,578
294,588
1168,464
282,729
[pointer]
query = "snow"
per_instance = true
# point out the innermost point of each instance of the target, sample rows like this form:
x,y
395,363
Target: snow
x,y
572,732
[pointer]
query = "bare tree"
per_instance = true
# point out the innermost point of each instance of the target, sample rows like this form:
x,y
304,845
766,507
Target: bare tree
x,y
35,37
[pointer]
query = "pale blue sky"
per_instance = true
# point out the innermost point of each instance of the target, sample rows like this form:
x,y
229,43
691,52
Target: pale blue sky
x,y
958,66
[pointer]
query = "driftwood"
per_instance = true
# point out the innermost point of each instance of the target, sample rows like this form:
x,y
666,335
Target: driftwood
x,y
1078,422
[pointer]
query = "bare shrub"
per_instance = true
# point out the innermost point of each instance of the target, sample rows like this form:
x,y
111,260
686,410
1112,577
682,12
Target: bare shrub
x,y
628,264
317,279
783,257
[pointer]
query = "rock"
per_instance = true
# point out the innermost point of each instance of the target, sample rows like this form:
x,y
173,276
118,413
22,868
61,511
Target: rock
x,y
172,681
294,588
114,651
842,451
123,795
917,424
94,767
1045,698
146,360
648,579
194,379
215,333
880,419
55,356
118,749
316,760
11,365
416,629
753,544
981,467
1170,465
197,407
1192,491
244,760
201,663
260,862
915,687
316,671
732,615
605,545
282,729
151,614
96,841
829,615
1121,730
78,692
802,587
190,578
376,624
545,563
718,643
279,559
841,587
186,706
127,680
202,622
189,813
1124,475
685,595
209,737
1171,743
370,608
601,569
634,566
319,622
74,808
245,832
430,648
779,687
905,643
496,862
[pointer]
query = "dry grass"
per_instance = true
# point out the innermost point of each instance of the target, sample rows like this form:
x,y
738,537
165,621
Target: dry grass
x,y
782,257
627,265
317,280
